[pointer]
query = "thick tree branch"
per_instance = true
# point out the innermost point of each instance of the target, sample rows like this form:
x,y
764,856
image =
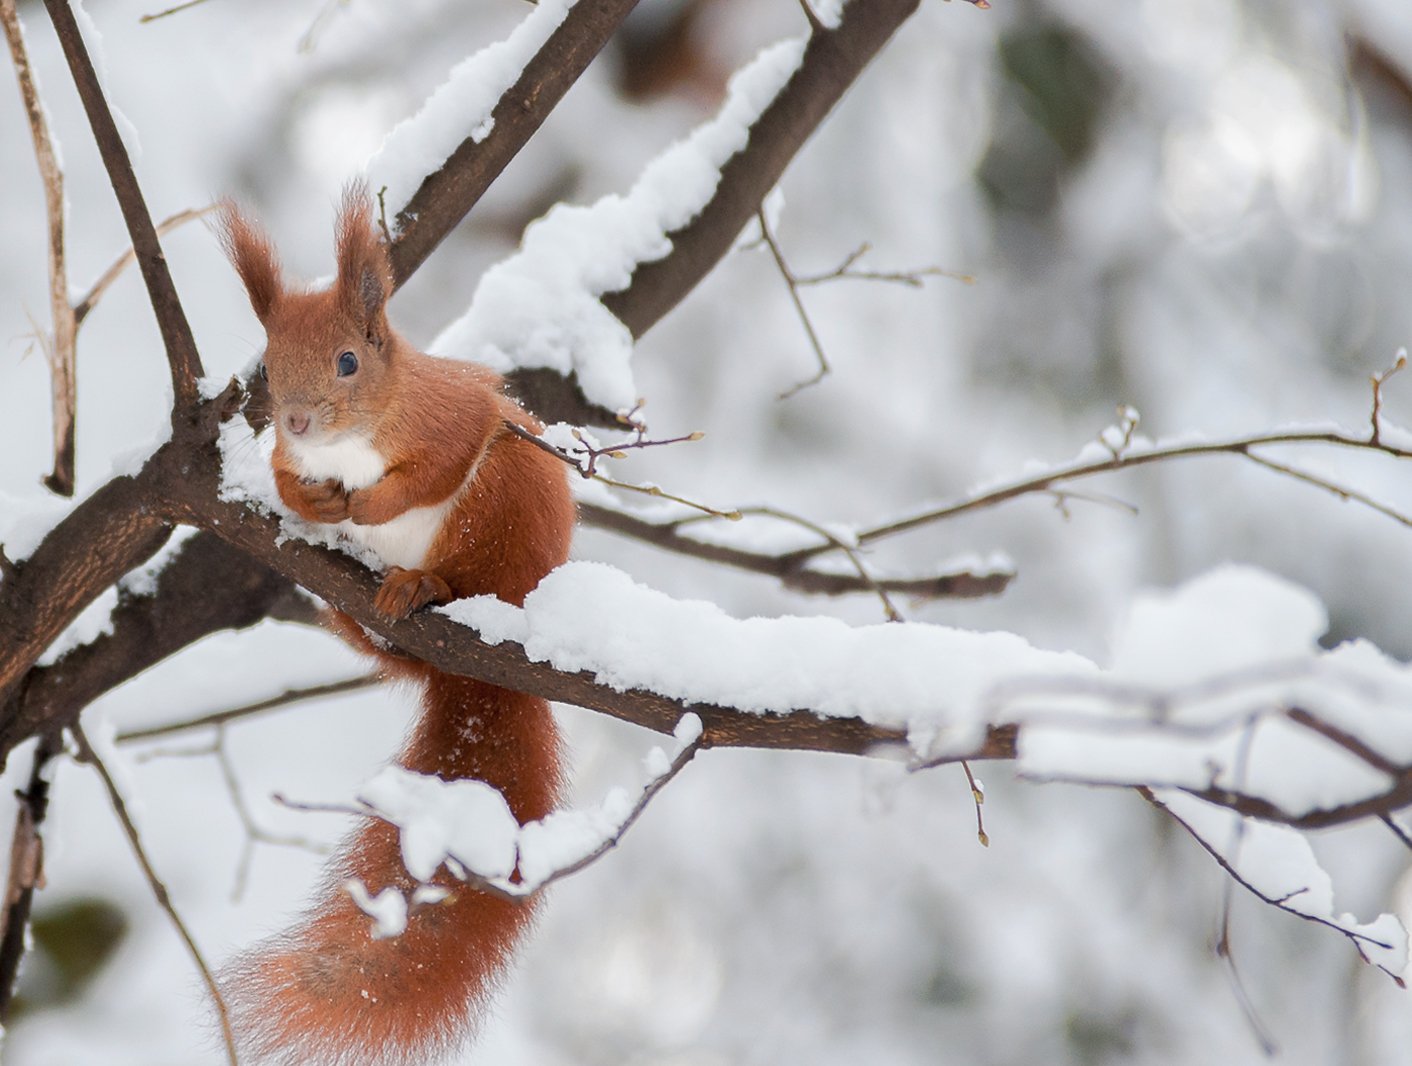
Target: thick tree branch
x,y
180,345
832,61
206,587
445,196
116,529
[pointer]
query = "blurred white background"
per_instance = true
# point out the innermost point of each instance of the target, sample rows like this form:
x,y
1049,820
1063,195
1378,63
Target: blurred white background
x,y
1197,208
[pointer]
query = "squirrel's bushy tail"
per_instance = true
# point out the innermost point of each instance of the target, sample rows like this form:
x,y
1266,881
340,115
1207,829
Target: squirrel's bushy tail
x,y
325,992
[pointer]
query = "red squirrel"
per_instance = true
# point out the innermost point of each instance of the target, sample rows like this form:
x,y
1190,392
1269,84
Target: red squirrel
x,y
410,455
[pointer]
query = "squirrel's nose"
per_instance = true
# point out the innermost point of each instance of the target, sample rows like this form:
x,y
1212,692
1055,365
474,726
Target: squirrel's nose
x,y
297,422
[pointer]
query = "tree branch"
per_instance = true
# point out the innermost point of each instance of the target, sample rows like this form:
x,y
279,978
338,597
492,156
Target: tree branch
x,y
180,345
797,576
206,587
832,61
445,196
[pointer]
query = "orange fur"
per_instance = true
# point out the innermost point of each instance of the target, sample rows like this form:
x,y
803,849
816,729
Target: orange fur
x,y
325,991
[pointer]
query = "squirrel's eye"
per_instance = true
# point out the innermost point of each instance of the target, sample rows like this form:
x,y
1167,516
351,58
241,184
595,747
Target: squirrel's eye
x,y
347,364
264,372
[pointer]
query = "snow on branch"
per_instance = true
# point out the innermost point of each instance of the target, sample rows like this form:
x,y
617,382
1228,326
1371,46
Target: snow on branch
x,y
462,107
492,104
540,307
467,826
1220,688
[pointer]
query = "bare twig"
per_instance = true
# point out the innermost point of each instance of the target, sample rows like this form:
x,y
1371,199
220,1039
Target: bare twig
x,y
106,279
1282,903
585,472
978,798
26,874
159,889
1396,830
59,346
687,753
220,718
792,283
912,278
180,345
1378,380
865,577
170,11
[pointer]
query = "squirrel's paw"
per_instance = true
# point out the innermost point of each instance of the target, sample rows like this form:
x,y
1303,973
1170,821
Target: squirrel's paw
x,y
403,591
328,500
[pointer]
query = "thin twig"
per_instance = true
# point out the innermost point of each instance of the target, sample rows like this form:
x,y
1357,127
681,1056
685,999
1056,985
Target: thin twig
x,y
1378,380
219,718
646,490
1343,493
978,798
182,356
1397,830
792,284
913,279
687,753
1224,948
170,11
26,874
1237,446
106,279
59,347
1282,903
849,551
159,889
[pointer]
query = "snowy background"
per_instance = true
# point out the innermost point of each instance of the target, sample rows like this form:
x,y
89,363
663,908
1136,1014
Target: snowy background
x,y
1199,209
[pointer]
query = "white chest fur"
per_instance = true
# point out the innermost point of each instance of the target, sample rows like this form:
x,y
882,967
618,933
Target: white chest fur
x,y
402,541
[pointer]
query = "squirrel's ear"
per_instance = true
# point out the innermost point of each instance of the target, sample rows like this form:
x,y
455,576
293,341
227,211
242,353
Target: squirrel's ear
x,y
364,273
253,257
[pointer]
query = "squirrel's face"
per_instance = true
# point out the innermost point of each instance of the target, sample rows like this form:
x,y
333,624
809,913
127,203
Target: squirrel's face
x,y
326,371
327,354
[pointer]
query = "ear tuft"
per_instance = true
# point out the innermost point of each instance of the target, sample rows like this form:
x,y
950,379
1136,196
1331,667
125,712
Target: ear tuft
x,y
364,273
253,257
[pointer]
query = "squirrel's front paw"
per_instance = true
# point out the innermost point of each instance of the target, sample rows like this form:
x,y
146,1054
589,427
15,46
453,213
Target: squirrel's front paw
x,y
361,509
403,591
327,499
